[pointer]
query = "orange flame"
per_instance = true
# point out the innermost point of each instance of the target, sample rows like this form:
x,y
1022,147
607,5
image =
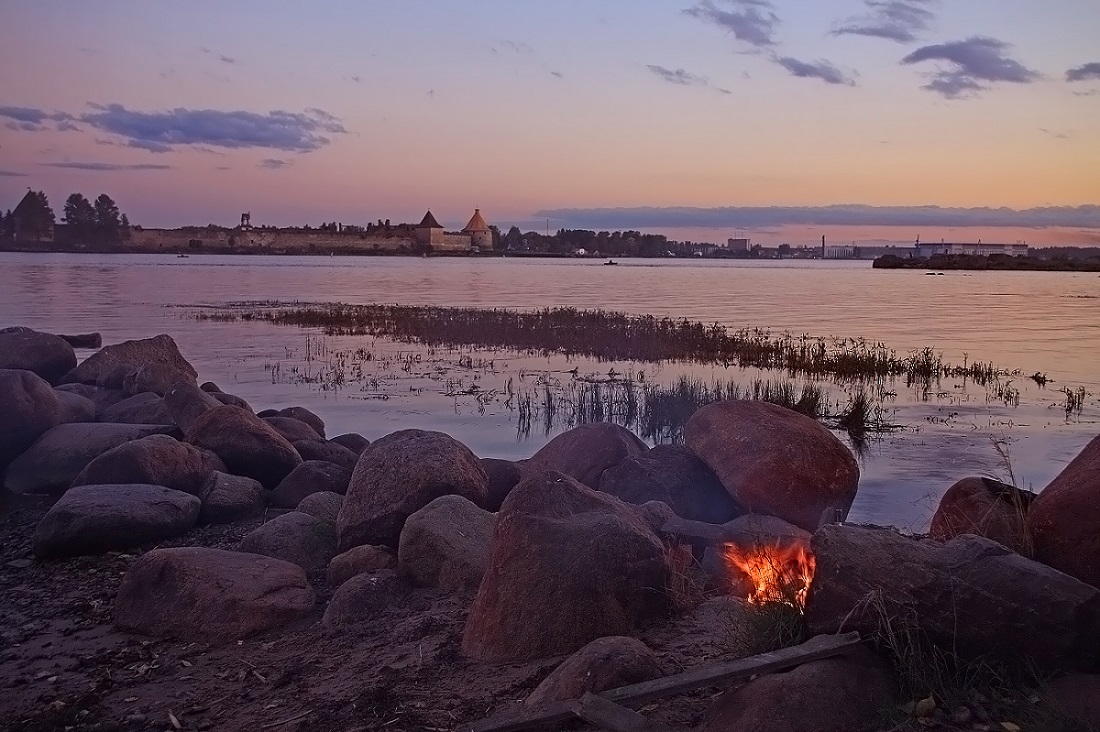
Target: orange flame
x,y
771,573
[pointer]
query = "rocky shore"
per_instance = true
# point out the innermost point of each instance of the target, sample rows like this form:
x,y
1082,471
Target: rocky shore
x,y
174,559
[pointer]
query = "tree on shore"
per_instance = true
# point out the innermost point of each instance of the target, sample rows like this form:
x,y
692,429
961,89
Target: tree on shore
x,y
107,219
80,216
6,225
34,216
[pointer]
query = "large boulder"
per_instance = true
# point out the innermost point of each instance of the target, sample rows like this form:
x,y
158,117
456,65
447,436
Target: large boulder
x,y
844,694
231,399
246,444
504,475
94,519
210,595
143,408
186,402
324,505
352,441
28,407
1075,697
984,507
294,537
47,355
673,475
304,415
292,429
1064,519
363,559
76,408
446,545
365,596
567,565
774,460
311,476
584,453
969,594
229,498
328,451
400,474
58,456
605,663
156,459
759,544
102,397
152,362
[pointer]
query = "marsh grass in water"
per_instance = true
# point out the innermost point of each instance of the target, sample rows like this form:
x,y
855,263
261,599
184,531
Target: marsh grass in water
x,y
612,336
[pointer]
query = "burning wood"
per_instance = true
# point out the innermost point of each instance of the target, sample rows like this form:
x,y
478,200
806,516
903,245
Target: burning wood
x,y
771,572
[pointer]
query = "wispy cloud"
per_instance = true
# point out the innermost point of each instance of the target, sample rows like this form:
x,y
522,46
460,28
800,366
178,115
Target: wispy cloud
x,y
1084,72
895,20
751,21
107,167
1054,133
227,59
558,74
973,64
274,164
760,217
33,119
12,174
278,130
821,69
680,77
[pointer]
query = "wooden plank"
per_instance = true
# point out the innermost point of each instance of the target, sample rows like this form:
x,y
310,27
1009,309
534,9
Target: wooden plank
x,y
822,646
614,718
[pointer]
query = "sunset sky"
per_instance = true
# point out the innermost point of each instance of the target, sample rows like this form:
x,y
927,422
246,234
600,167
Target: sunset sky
x,y
956,119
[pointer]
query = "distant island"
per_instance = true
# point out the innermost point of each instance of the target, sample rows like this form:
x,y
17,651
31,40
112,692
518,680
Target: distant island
x,y
1068,259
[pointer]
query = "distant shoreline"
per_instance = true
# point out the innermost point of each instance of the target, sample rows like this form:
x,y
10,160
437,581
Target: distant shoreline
x,y
997,262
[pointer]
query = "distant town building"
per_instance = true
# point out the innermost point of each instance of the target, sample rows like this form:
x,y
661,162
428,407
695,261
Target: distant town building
x,y
925,250
841,252
737,245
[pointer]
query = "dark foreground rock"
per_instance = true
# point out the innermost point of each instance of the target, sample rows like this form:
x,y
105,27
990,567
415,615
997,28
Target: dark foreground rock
x,y
294,537
210,595
1064,519
503,476
845,694
94,519
76,408
186,402
304,415
605,663
359,560
584,453
776,461
970,594
446,545
984,507
229,498
365,596
311,476
143,408
400,474
329,451
246,444
28,407
156,459
567,565
673,475
352,441
52,463
47,355
155,363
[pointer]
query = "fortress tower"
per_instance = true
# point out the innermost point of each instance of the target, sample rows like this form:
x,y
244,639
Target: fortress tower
x,y
480,234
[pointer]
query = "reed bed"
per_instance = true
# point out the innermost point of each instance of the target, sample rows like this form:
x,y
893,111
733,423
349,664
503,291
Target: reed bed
x,y
613,336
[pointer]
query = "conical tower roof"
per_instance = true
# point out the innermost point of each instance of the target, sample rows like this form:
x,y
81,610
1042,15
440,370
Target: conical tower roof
x,y
429,222
477,223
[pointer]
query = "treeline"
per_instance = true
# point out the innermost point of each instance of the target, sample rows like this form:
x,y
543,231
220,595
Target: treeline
x,y
991,262
568,241
87,222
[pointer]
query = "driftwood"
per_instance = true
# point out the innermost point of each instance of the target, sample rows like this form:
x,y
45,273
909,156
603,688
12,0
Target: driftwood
x,y
610,716
822,646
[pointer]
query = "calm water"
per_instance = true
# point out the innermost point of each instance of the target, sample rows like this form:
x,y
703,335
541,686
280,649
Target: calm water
x,y
1033,322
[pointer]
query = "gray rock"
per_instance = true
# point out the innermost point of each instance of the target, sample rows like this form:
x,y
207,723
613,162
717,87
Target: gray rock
x,y
293,429
186,402
154,362
230,498
47,355
231,399
312,476
58,456
585,452
446,545
969,594
328,451
143,408
605,663
365,596
210,595
83,340
503,476
245,443
94,519
296,538
400,474
352,441
102,397
324,505
28,408
157,460
76,408
304,415
360,560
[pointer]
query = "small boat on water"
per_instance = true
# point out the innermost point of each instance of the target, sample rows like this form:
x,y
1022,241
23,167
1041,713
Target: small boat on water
x,y
181,256
610,263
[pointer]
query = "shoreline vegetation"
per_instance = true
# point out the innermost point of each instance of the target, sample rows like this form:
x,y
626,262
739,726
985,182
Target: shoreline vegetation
x,y
999,262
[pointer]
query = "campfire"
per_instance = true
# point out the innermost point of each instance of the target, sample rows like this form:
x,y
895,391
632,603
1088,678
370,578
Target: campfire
x,y
770,572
